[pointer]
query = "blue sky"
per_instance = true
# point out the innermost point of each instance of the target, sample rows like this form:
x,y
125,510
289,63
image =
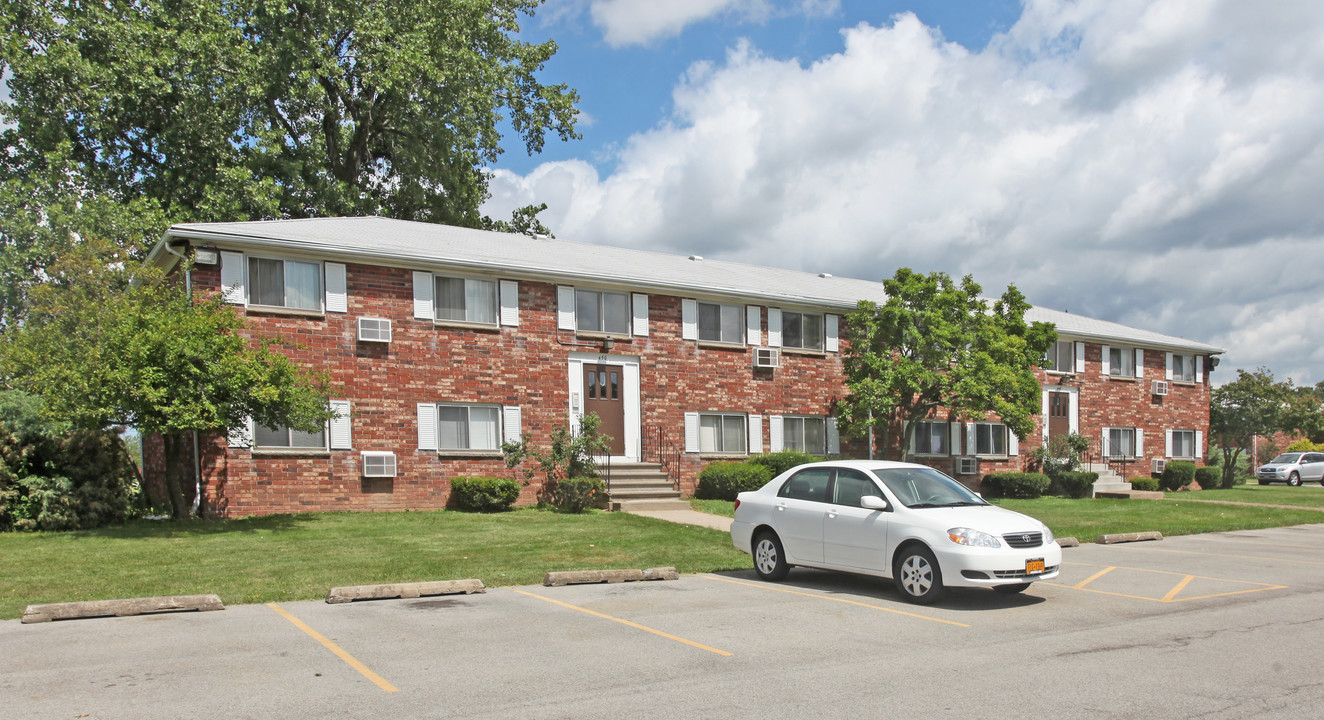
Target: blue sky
x,y
1158,163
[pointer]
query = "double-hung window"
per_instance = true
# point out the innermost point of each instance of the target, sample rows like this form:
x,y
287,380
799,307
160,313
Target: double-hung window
x,y
990,439
602,312
721,323
265,437
931,438
1060,357
1122,361
802,330
1183,368
806,434
1121,443
468,427
1183,444
722,433
467,300
285,283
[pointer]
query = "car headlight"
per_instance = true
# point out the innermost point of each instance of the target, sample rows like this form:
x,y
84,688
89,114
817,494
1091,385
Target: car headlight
x,y
973,538
1048,536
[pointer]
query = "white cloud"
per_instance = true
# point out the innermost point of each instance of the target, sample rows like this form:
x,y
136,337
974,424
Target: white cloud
x,y
639,22
1155,163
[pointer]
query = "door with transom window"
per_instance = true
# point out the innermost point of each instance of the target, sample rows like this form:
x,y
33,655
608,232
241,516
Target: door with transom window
x,y
604,395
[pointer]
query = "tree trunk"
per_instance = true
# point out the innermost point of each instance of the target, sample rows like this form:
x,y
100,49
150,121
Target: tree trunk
x,y
174,463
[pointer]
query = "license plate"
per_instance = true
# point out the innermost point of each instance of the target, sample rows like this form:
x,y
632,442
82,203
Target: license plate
x,y
1034,567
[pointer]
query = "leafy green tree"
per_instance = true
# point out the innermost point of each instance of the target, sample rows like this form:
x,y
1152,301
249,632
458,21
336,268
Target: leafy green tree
x,y
249,109
936,344
1253,404
1304,413
104,351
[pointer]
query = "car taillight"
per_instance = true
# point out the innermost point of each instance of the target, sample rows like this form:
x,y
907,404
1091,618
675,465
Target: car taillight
x,y
737,507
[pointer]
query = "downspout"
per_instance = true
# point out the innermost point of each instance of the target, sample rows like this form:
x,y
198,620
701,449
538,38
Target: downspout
x,y
197,457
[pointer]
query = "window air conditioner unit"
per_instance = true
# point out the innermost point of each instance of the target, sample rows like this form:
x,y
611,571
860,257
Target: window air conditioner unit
x,y
379,464
967,466
767,357
375,330
1160,387
1160,465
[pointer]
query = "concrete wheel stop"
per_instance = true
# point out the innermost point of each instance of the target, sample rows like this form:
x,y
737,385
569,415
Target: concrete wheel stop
x,y
1128,537
121,608
584,577
407,591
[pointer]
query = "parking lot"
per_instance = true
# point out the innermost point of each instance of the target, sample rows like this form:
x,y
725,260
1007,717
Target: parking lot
x,y
1219,625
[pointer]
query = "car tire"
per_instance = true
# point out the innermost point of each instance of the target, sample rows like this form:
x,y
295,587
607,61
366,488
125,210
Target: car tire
x,y
1011,589
1266,482
1294,479
769,559
917,575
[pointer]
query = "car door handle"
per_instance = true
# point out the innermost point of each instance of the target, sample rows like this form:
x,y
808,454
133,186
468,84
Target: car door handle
x,y
781,507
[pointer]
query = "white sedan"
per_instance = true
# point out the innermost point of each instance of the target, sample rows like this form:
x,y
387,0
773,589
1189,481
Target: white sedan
x,y
900,520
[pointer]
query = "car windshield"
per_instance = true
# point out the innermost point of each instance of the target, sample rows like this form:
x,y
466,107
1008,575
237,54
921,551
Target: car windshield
x,y
922,487
1287,458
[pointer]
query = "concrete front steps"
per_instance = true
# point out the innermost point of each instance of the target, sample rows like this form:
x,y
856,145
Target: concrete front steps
x,y
1108,482
642,486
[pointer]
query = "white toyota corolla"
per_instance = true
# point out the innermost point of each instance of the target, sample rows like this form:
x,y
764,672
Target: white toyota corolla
x,y
890,519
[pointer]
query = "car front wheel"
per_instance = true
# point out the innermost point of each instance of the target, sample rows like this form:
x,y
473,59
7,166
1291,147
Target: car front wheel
x,y
917,575
1294,479
769,560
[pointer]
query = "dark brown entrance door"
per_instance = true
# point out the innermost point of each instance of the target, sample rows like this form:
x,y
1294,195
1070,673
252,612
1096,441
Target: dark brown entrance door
x,y
604,395
1059,413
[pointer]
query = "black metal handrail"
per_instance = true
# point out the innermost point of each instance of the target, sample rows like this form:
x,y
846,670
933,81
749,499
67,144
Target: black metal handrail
x,y
656,446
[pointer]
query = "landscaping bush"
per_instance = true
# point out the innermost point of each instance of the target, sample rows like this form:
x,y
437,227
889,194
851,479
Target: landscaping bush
x,y
1208,477
725,480
1016,484
780,462
1303,445
1144,483
484,494
1074,484
1177,475
577,494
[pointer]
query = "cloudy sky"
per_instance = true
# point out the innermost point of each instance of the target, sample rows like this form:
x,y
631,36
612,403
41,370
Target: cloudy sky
x,y
1158,163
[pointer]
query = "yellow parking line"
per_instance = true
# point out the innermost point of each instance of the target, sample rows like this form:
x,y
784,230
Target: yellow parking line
x,y
821,596
1171,596
1100,592
634,625
1234,592
1093,577
1180,586
349,659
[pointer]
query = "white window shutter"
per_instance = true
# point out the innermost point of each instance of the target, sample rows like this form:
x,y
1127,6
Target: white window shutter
x,y
641,315
1167,443
1169,375
1080,357
1140,363
1107,360
689,319
511,423
241,436
755,434
691,432
423,296
510,303
775,433
1105,442
830,322
753,325
833,437
337,295
774,327
427,426
340,426
1140,443
1013,443
1199,369
971,440
232,278
955,438
565,307
1199,445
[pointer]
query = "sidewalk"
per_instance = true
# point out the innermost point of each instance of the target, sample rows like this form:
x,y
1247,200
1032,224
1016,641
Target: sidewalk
x,y
688,517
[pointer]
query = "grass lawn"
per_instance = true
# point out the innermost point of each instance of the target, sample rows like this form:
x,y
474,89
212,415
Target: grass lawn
x,y
1306,496
725,508
300,557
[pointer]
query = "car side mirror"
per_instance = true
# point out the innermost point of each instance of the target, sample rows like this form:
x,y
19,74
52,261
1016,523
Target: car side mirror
x,y
873,502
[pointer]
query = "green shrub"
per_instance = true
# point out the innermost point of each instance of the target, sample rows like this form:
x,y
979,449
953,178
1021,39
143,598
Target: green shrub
x,y
1074,484
1208,477
1303,445
725,480
484,494
780,462
1016,484
1144,483
1177,475
577,494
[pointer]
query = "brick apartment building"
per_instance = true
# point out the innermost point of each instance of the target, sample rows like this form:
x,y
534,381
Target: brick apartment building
x,y
443,342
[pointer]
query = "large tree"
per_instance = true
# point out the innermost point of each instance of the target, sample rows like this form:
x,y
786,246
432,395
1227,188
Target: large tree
x,y
252,109
936,345
1253,404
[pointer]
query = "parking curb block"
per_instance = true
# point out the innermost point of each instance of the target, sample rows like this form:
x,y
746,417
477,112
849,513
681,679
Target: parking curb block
x,y
121,608
584,577
1067,542
407,591
1128,537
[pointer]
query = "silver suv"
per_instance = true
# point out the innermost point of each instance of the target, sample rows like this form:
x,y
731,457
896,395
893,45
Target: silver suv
x,y
1293,468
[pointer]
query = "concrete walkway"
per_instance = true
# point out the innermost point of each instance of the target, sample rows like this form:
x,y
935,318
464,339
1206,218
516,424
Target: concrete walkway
x,y
688,517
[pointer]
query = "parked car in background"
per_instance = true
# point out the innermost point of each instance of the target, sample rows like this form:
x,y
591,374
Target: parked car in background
x,y
1293,468
902,521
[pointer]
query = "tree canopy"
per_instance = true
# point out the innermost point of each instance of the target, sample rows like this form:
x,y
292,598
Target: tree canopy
x,y
1251,405
936,344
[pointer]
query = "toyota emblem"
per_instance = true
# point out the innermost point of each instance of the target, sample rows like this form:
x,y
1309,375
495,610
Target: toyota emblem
x,y
1025,538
